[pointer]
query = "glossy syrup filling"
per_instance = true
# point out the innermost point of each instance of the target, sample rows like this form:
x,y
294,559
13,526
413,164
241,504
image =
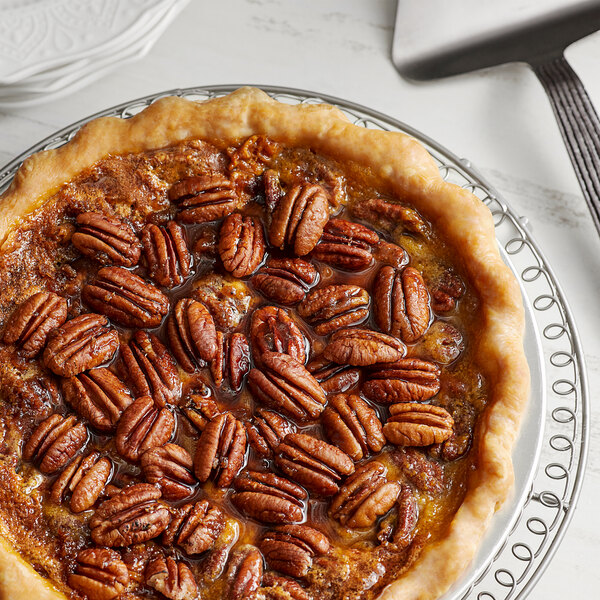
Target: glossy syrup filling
x,y
39,256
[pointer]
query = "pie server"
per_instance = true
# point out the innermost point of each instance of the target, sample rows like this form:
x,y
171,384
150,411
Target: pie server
x,y
438,38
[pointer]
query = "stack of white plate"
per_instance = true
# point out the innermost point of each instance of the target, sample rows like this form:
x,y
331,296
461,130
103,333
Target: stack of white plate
x,y
49,48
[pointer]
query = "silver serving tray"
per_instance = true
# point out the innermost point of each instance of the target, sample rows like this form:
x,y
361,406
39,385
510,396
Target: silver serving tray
x,y
550,452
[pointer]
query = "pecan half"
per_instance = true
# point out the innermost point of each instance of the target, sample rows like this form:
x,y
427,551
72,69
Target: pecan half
x,y
406,380
229,300
215,562
31,322
125,298
195,528
353,426
464,414
290,549
99,574
313,463
80,344
192,334
99,396
273,330
414,424
250,159
170,468
362,347
364,497
425,474
408,515
267,430
54,442
221,450
285,280
232,360
299,218
333,378
284,384
390,254
401,303
173,579
168,259
269,498
203,198
334,307
446,291
109,240
346,245
389,215
143,425
151,369
131,516
272,188
85,479
443,343
200,409
241,244
274,584
244,573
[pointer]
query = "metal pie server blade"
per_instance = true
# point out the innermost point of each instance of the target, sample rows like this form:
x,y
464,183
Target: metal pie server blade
x,y
437,38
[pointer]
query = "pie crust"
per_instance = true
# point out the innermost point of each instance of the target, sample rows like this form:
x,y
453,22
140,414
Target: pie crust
x,y
461,219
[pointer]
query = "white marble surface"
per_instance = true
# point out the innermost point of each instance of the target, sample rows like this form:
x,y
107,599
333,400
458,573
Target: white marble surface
x,y
500,119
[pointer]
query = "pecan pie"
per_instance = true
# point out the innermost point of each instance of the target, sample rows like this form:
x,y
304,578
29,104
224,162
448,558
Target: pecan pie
x,y
249,351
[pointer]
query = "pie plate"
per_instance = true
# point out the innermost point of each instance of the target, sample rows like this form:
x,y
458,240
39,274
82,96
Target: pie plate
x,y
550,453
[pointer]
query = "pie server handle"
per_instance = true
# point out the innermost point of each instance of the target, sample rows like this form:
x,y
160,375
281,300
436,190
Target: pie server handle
x,y
578,123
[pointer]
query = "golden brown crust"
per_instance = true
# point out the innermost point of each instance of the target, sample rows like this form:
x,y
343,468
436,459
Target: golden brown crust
x,y
18,581
462,220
